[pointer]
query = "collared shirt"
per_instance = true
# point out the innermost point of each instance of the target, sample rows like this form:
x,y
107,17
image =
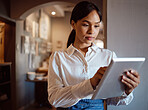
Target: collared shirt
x,y
70,72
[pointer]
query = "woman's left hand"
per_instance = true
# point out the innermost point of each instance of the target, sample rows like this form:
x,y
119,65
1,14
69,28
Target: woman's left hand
x,y
131,80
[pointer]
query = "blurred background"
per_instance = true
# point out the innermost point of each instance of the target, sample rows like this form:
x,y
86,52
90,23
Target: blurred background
x,y
30,30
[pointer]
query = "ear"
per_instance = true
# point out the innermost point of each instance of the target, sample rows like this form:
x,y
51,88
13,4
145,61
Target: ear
x,y
73,24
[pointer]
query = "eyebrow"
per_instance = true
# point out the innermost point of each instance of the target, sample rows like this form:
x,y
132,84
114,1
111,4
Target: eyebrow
x,y
89,22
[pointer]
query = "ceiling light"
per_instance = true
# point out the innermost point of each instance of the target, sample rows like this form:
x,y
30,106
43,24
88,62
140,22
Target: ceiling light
x,y
53,12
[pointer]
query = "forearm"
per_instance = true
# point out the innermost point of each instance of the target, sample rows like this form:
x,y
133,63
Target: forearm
x,y
68,96
61,97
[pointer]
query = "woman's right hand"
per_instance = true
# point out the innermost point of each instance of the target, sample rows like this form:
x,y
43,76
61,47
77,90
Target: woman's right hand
x,y
97,77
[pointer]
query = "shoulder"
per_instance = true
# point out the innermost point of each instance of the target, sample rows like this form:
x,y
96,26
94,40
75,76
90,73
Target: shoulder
x,y
101,50
58,54
106,52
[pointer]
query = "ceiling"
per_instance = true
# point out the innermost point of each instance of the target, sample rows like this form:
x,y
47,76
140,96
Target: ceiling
x,y
59,8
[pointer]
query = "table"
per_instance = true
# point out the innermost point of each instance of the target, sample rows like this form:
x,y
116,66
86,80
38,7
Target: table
x,y
41,94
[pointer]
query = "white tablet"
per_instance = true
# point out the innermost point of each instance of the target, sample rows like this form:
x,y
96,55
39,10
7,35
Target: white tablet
x,y
110,84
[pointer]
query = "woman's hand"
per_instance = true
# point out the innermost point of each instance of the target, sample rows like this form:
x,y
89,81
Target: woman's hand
x,y
97,77
131,80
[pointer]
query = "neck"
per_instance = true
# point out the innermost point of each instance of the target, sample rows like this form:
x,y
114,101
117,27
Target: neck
x,y
83,47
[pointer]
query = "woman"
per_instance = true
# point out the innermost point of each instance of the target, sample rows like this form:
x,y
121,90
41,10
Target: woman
x,y
75,72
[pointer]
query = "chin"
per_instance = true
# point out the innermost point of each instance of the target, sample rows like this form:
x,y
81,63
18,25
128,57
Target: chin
x,y
89,43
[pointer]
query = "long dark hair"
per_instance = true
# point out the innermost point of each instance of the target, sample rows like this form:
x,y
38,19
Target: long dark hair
x,y
81,10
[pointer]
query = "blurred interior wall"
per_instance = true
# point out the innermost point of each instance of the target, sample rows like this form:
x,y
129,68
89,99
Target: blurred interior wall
x,y
127,35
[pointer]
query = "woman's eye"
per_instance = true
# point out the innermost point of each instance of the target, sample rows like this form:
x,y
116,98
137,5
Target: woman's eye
x,y
97,26
85,25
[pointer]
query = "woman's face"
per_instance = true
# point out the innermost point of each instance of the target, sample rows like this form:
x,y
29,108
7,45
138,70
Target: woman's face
x,y
87,28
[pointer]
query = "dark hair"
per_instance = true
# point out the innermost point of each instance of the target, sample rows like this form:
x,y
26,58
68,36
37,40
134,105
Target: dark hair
x,y
81,10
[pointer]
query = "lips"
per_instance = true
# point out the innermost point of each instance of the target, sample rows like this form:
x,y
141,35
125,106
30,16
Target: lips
x,y
89,38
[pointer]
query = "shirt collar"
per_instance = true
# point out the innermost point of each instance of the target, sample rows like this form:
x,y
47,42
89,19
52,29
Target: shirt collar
x,y
94,47
71,49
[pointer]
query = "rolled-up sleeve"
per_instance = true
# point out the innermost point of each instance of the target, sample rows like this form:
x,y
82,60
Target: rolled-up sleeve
x,y
123,100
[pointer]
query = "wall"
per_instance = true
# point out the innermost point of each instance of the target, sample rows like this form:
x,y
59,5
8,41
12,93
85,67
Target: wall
x,y
61,29
127,35
25,90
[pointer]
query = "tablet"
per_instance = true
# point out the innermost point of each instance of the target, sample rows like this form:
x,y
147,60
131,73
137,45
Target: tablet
x,y
110,84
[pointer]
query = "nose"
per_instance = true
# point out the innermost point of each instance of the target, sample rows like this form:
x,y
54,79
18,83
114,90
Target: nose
x,y
91,30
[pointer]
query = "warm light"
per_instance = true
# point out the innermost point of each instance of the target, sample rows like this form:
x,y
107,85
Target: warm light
x,y
53,12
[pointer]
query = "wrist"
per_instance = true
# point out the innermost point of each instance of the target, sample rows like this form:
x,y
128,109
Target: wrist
x,y
128,91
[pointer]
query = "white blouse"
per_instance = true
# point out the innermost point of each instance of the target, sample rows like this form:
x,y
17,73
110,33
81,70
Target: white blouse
x,y
70,72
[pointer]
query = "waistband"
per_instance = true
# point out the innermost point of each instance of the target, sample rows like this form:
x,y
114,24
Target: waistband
x,y
85,102
91,101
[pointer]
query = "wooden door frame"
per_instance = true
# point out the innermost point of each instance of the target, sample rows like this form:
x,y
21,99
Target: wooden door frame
x,y
104,19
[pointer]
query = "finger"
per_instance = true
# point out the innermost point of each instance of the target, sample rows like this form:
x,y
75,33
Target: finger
x,y
134,72
130,82
98,76
102,70
133,77
127,84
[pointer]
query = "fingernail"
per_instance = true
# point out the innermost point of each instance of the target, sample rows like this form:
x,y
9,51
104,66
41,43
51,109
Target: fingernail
x,y
123,77
132,71
122,80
